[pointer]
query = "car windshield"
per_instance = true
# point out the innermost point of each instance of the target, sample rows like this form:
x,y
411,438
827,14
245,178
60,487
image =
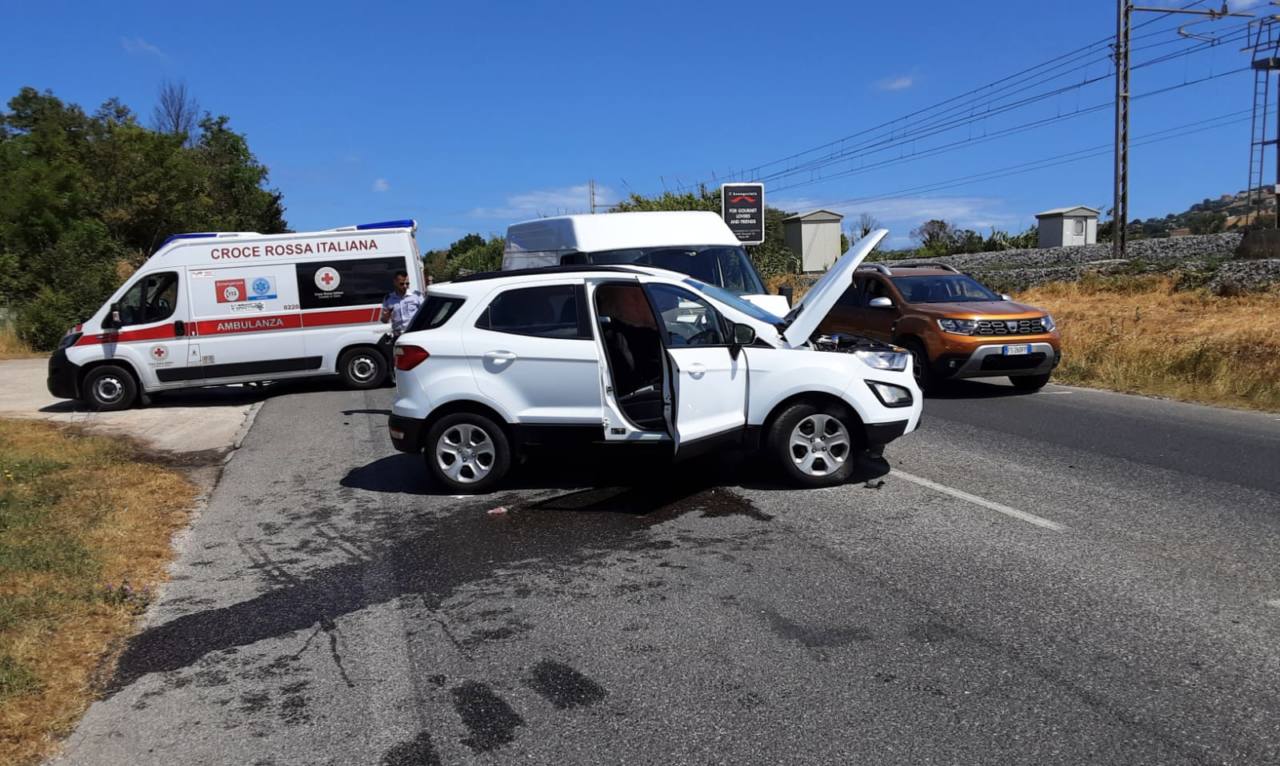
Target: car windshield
x,y
723,266
734,302
948,288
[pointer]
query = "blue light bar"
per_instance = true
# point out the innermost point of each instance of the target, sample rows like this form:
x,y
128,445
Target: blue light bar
x,y
197,235
407,223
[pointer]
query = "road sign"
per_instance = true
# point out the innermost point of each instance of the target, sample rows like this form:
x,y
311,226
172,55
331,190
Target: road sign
x,y
742,207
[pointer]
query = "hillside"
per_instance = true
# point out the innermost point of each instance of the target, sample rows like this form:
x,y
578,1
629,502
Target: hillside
x,y
1210,215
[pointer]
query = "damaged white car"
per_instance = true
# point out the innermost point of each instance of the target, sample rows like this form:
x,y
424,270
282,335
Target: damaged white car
x,y
628,355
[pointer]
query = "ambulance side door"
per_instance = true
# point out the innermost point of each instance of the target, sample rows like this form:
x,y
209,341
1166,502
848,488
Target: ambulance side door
x,y
246,324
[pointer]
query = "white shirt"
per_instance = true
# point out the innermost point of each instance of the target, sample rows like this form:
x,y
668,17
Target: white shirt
x,y
403,307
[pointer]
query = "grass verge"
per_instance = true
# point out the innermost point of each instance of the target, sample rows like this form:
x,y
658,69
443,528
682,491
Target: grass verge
x,y
1141,334
11,346
85,529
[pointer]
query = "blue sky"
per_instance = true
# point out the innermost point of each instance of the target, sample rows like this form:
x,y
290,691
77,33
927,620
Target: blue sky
x,y
468,116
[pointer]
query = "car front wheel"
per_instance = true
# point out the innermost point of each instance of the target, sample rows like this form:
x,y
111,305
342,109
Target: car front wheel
x,y
467,453
109,388
363,368
814,446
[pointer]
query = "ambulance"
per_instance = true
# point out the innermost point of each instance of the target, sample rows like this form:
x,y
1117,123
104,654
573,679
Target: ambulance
x,y
221,308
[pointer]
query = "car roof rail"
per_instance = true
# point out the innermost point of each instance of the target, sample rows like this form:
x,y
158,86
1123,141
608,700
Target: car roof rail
x,y
880,267
943,266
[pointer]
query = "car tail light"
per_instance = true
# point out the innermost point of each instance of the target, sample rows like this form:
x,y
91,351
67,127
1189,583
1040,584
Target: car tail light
x,y
408,357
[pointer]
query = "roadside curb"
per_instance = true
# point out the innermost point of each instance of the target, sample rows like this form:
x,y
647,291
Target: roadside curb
x,y
249,419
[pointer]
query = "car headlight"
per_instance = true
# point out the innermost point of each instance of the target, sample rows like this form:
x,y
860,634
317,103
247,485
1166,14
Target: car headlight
x,y
889,394
1049,324
958,326
884,360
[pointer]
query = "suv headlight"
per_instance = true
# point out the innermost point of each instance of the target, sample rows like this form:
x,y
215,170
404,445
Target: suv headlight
x,y
958,326
889,394
1049,324
895,361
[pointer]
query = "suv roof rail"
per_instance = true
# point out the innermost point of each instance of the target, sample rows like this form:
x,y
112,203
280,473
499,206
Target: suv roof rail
x,y
880,267
943,266
544,270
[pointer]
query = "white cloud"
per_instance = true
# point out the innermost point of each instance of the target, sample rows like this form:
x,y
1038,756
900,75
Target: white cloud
x,y
381,185
543,202
901,82
138,47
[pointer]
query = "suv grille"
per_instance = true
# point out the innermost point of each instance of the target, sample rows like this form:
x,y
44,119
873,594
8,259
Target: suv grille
x,y
1009,327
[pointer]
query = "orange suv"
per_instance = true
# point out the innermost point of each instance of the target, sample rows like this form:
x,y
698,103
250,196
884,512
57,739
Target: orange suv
x,y
952,325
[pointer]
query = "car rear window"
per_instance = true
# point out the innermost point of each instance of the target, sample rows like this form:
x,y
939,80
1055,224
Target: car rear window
x,y
551,311
435,311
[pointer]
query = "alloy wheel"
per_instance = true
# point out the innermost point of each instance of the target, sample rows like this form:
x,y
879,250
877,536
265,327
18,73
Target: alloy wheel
x,y
820,444
465,453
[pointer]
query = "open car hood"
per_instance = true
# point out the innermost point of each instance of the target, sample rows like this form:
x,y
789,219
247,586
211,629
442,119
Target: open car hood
x,y
804,319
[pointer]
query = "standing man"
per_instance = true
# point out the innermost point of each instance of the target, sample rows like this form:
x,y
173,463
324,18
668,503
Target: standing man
x,y
400,305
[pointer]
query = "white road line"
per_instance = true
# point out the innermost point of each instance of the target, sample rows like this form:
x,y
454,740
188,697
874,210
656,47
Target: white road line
x,y
1030,518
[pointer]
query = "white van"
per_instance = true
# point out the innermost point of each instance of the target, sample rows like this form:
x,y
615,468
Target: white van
x,y
696,243
211,309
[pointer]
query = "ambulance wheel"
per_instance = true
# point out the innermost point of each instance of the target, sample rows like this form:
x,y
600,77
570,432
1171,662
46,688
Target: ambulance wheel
x,y
467,453
363,367
109,388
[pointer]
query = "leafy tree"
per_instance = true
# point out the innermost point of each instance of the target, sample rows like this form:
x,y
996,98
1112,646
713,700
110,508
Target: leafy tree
x,y
936,237
84,199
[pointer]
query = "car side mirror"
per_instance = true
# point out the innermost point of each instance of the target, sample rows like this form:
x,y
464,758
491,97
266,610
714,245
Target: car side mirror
x,y
743,335
112,319
880,303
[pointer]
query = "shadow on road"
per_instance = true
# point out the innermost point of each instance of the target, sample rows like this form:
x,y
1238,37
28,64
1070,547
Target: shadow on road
x,y
226,396
614,467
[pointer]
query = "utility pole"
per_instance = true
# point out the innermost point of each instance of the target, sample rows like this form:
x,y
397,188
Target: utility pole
x,y
1120,212
1124,14
591,191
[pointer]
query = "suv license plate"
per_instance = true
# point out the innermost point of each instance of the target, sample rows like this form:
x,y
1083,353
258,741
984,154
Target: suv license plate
x,y
1018,350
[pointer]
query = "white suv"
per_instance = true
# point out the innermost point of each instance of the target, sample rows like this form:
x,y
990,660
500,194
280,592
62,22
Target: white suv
x,y
632,355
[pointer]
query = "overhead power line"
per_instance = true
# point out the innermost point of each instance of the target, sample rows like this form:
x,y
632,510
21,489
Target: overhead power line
x,y
1079,155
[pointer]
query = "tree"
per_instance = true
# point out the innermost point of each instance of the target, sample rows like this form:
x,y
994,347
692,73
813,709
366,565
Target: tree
x,y
84,199
176,111
935,236
866,224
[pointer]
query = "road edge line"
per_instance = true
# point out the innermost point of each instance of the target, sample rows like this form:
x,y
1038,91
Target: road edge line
x,y
1030,518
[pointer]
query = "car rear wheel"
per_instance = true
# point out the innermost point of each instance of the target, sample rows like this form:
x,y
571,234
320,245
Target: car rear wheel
x,y
468,453
1030,382
109,388
362,368
814,446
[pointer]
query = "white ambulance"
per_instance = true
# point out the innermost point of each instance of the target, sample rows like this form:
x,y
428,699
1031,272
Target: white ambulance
x,y
212,309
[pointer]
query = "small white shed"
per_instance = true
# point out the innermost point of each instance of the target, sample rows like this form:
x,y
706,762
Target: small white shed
x,y
1068,226
815,237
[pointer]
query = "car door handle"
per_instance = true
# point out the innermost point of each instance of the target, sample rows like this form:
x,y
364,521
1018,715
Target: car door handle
x,y
500,356
696,370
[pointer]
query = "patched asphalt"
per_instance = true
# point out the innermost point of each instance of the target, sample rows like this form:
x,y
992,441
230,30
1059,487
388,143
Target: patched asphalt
x,y
329,606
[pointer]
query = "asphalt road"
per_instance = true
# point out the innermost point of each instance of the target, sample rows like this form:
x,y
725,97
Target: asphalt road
x,y
1066,577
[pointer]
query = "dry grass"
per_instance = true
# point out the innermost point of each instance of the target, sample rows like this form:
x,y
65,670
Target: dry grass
x,y
1141,335
11,346
79,517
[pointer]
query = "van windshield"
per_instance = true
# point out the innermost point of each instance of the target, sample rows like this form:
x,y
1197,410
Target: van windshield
x,y
719,265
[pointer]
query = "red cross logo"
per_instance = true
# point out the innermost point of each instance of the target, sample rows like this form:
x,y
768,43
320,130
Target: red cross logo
x,y
327,278
159,352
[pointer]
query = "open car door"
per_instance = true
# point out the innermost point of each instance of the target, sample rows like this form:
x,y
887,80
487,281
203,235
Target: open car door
x,y
635,391
708,380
